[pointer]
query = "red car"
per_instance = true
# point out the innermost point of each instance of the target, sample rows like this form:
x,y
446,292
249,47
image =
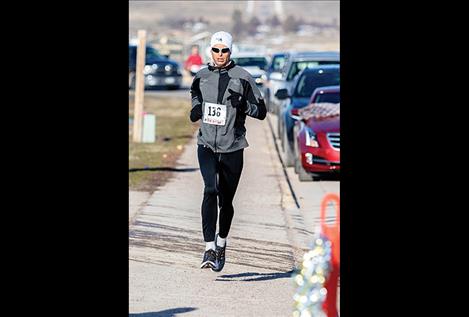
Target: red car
x,y
317,134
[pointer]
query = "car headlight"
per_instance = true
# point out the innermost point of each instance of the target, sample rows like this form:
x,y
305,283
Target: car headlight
x,y
168,68
311,139
147,69
258,80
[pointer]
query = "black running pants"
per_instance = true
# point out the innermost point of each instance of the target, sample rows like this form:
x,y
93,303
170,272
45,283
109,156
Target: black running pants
x,y
221,173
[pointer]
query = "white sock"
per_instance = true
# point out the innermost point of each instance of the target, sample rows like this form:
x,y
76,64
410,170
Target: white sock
x,y
221,242
210,245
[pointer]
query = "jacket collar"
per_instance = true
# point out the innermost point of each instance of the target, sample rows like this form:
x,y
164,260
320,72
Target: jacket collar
x,y
230,65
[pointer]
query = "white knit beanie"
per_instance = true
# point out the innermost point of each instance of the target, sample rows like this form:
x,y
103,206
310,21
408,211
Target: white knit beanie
x,y
221,37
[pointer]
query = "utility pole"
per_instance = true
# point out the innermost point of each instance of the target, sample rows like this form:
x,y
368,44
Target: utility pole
x,y
139,87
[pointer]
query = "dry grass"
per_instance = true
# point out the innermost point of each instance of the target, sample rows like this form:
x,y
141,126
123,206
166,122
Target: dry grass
x,y
173,131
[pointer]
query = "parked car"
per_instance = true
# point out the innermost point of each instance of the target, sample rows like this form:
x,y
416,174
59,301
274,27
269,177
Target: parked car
x,y
317,134
276,65
256,64
294,63
159,71
330,94
304,85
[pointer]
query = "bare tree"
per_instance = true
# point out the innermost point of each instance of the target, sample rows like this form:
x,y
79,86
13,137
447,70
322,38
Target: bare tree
x,y
273,21
253,24
290,24
238,26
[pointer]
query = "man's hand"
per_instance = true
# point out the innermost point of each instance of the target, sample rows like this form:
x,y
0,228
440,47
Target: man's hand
x,y
196,113
237,100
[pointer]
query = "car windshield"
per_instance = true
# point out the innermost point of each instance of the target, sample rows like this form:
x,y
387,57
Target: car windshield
x,y
260,62
150,53
329,97
297,67
312,80
278,63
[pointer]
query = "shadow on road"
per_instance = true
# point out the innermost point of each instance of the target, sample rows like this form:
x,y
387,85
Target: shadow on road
x,y
165,313
257,276
170,169
328,177
166,138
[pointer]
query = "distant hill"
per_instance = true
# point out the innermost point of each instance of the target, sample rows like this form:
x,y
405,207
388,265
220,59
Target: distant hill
x,y
165,19
151,15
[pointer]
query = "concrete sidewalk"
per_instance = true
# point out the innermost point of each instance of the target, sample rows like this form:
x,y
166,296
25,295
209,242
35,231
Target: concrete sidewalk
x,y
137,200
267,238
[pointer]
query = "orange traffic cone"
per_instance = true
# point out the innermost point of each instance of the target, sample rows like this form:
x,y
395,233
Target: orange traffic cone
x,y
332,232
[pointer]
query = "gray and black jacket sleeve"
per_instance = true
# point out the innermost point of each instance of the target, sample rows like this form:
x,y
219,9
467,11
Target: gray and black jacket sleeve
x,y
196,95
255,106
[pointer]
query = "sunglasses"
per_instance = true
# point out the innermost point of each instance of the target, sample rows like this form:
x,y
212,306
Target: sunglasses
x,y
223,50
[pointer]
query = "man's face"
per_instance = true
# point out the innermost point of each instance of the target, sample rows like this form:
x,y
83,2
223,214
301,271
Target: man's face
x,y
220,59
195,50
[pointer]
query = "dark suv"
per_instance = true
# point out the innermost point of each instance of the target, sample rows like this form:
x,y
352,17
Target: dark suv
x,y
159,71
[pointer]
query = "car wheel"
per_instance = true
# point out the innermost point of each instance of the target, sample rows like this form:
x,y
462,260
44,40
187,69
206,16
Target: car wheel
x,y
303,175
297,165
267,101
279,130
288,158
297,157
276,110
282,136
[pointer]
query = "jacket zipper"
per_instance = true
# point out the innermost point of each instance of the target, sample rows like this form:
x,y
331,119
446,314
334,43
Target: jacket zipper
x,y
217,102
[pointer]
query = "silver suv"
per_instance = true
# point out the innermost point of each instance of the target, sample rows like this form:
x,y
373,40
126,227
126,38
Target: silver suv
x,y
294,64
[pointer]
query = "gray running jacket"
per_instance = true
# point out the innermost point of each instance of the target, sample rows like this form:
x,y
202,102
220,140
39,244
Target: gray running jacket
x,y
213,85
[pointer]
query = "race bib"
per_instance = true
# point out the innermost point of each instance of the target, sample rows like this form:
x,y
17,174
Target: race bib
x,y
214,114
